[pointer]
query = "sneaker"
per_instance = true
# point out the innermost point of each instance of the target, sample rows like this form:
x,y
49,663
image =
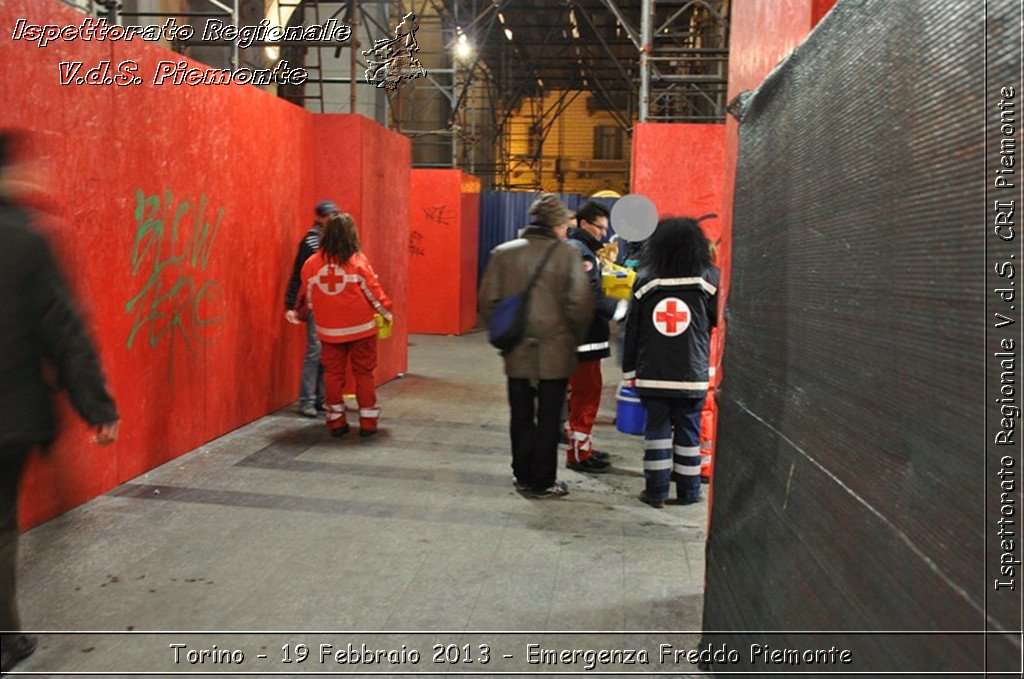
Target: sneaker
x,y
601,455
657,504
16,647
520,486
591,465
367,433
563,437
341,431
308,410
559,489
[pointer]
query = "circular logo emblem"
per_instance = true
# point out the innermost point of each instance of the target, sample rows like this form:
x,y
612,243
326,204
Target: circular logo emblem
x,y
330,279
671,316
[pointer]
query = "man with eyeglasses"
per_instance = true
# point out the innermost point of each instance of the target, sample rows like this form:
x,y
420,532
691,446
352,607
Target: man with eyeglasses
x,y
592,223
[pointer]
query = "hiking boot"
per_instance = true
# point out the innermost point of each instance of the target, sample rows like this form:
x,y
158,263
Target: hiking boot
x,y
367,433
591,465
601,456
657,504
15,648
341,431
559,489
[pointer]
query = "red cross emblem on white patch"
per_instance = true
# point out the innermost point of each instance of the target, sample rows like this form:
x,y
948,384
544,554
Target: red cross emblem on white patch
x,y
671,316
330,279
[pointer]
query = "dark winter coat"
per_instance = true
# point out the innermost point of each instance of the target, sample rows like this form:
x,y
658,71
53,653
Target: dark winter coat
x,y
309,244
595,345
668,333
560,305
40,328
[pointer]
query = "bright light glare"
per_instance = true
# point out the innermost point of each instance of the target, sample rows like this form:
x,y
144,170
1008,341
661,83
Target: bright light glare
x,y
508,33
463,49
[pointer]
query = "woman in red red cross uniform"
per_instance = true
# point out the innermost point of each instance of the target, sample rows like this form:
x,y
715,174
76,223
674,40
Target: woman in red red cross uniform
x,y
340,286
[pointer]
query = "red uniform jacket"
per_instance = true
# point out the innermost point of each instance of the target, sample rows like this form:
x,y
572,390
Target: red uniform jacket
x,y
342,298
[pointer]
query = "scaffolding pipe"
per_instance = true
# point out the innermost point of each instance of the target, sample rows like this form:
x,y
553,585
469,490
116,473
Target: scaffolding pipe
x,y
353,80
646,10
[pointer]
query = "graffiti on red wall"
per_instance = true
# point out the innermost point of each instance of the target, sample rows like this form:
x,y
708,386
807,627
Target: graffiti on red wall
x,y
173,241
438,214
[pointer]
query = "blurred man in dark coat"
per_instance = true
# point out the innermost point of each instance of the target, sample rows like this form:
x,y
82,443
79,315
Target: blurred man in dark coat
x,y
41,334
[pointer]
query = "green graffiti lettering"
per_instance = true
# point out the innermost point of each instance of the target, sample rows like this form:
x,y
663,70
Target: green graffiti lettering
x,y
167,304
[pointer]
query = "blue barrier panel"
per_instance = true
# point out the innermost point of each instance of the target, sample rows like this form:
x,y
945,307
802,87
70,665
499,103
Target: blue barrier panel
x,y
503,214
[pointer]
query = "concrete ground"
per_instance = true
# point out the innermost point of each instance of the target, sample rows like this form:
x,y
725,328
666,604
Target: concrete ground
x,y
277,527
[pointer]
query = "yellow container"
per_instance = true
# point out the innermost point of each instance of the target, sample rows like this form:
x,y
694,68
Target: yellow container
x,y
383,327
617,282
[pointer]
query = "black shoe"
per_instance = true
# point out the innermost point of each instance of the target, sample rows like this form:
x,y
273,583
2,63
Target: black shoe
x,y
320,407
657,504
16,647
686,500
591,465
600,455
341,431
559,489
367,433
563,437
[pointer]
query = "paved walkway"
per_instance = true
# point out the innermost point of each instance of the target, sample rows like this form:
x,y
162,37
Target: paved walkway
x,y
279,527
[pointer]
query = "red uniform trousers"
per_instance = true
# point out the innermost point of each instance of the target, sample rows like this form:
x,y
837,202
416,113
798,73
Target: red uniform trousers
x,y
584,400
335,357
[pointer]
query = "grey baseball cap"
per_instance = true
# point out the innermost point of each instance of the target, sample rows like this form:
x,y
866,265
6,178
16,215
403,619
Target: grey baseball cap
x,y
326,208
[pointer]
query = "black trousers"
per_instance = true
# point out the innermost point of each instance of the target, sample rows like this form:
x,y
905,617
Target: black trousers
x,y
12,462
536,408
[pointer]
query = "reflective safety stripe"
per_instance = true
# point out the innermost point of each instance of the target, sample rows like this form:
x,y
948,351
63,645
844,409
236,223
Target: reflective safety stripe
x,y
579,436
630,375
659,282
658,444
705,445
335,407
355,278
655,465
687,469
597,346
705,459
667,384
712,370
369,412
687,451
345,332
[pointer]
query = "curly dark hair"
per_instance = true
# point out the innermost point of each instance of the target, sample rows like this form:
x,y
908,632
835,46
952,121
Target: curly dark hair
x,y
677,248
340,239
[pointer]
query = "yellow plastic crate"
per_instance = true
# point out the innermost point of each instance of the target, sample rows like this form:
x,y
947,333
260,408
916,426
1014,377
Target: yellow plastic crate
x,y
383,327
617,282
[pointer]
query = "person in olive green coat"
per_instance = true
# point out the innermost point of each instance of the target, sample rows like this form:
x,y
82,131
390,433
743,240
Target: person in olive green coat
x,y
559,312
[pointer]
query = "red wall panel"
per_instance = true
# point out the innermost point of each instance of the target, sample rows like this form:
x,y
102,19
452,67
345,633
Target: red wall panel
x,y
176,213
444,215
365,169
679,167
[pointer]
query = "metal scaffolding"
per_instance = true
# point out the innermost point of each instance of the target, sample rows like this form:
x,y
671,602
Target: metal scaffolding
x,y
491,109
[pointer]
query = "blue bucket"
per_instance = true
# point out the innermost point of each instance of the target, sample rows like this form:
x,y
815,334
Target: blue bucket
x,y
630,414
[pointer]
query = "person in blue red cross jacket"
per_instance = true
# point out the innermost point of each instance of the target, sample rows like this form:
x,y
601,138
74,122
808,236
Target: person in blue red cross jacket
x,y
585,384
673,307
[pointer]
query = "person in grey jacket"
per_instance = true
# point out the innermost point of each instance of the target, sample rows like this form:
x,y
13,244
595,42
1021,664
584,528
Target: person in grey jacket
x,y
559,312
41,333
